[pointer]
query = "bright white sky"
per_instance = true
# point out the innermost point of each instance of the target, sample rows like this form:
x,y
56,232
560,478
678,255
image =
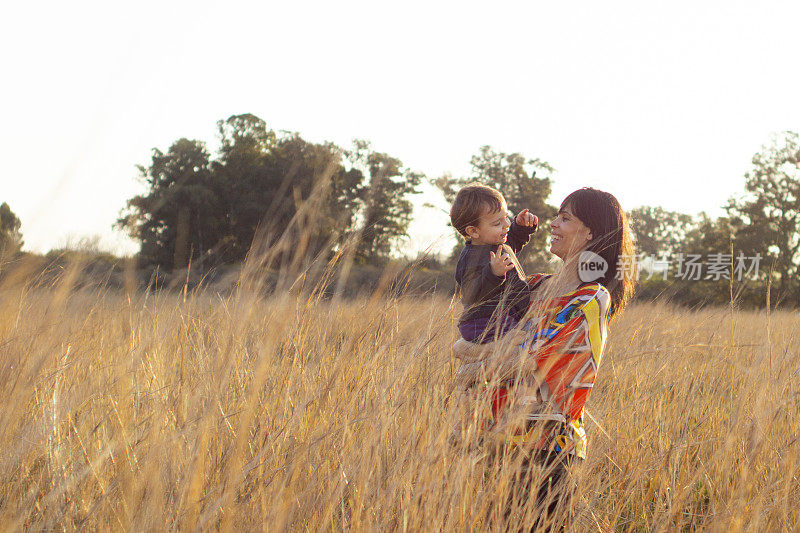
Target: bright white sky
x,y
660,103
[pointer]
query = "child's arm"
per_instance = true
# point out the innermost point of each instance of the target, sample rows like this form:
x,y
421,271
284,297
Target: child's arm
x,y
521,230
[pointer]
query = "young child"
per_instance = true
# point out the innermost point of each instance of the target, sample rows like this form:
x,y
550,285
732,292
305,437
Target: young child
x,y
493,287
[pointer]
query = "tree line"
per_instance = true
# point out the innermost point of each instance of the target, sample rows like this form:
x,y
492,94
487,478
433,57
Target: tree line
x,y
755,246
264,188
274,190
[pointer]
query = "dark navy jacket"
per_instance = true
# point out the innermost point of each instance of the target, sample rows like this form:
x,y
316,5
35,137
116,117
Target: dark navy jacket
x,y
482,292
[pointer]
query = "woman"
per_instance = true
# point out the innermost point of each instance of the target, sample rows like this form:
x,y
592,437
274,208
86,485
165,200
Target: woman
x,y
538,391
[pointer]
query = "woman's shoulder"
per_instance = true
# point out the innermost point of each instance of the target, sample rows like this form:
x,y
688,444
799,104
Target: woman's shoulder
x,y
536,279
591,298
593,289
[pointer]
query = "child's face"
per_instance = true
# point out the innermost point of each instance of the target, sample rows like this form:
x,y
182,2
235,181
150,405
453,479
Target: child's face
x,y
492,228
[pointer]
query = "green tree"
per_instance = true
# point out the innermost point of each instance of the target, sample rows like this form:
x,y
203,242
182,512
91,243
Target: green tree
x,y
710,265
700,270
524,182
244,181
262,186
385,205
310,195
179,218
241,173
659,232
10,234
277,184
768,215
710,239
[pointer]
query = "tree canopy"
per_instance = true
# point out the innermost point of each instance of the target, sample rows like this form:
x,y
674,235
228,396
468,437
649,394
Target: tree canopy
x,y
179,218
658,231
768,215
10,234
386,209
266,188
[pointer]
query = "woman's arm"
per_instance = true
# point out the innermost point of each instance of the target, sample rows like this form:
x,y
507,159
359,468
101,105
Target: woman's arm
x,y
469,352
478,359
561,355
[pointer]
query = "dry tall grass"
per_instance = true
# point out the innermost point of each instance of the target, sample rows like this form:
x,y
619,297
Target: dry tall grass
x,y
193,411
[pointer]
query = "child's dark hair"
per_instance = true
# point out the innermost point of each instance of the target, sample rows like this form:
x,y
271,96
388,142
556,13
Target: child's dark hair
x,y
471,202
611,239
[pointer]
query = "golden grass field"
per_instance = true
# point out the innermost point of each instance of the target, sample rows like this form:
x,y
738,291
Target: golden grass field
x,y
153,411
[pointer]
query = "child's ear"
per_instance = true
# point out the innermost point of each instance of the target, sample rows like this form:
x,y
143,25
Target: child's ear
x,y
472,232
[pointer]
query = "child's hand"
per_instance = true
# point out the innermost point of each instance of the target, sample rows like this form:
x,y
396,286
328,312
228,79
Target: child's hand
x,y
526,218
500,262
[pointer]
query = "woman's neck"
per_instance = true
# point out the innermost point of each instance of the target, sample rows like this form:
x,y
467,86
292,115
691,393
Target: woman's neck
x,y
566,278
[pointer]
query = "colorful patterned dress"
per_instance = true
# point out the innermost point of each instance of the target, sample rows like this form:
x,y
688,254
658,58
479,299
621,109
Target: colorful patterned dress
x,y
566,337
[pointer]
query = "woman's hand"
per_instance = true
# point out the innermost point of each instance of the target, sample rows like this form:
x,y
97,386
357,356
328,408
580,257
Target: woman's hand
x,y
468,374
469,352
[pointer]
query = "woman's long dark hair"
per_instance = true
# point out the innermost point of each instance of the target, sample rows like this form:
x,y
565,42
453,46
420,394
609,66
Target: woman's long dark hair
x,y
611,239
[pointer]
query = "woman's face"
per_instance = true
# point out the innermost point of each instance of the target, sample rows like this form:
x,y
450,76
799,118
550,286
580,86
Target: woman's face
x,y
569,236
